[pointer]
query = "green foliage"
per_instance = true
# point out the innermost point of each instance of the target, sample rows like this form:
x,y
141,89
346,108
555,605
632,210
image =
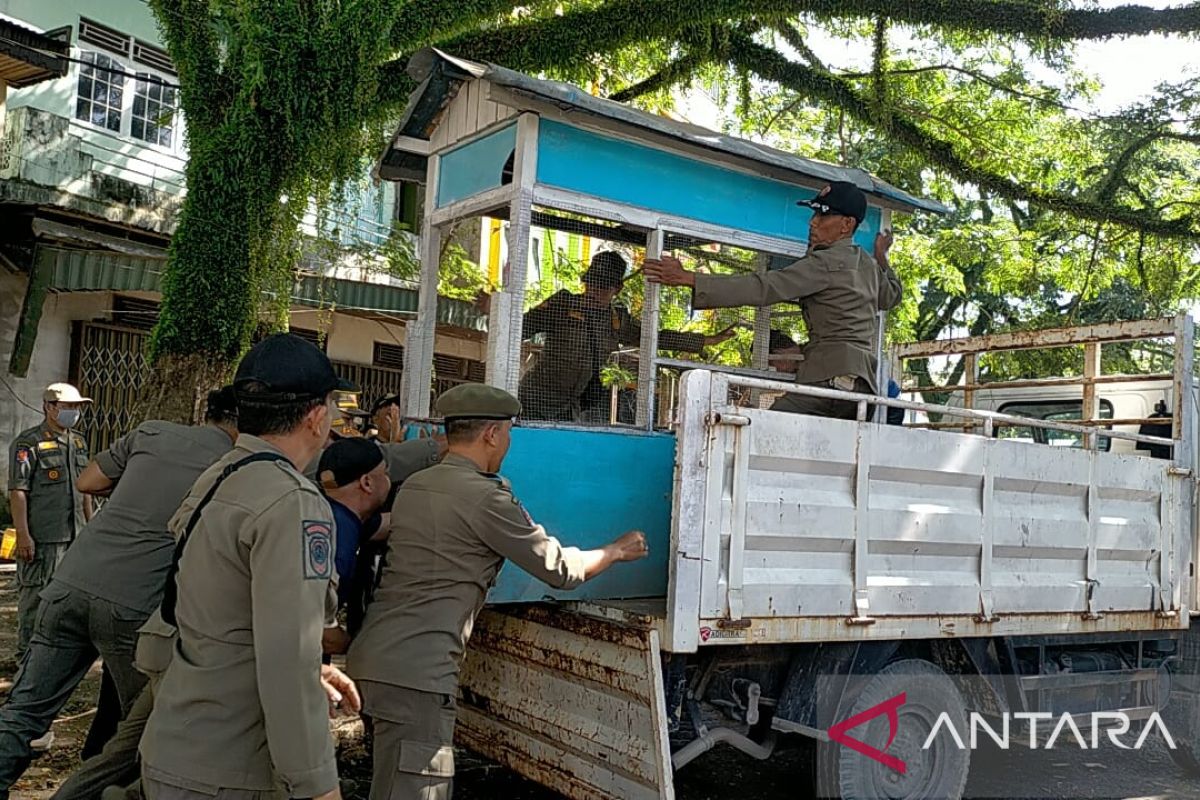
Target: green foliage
x,y
284,99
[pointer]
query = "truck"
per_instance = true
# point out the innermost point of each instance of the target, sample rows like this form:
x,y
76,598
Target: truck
x,y
882,596
822,567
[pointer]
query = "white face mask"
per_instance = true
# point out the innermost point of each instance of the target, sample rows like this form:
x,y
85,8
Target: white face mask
x,y
68,417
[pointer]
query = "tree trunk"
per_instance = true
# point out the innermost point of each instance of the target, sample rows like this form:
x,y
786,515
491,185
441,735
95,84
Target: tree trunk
x,y
177,387
212,286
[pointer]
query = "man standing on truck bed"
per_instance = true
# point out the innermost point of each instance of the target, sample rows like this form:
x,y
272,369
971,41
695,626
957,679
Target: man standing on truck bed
x,y
582,331
839,287
460,521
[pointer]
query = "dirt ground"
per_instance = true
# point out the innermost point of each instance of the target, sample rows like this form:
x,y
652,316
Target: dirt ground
x,y
1109,774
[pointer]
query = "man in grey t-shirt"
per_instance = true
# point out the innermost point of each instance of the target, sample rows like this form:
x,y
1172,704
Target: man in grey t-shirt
x,y
112,577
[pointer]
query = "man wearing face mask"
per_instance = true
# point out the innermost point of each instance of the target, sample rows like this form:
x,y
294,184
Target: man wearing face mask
x,y
242,709
839,287
48,510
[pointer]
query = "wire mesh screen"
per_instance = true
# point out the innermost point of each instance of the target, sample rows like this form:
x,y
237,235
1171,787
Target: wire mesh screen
x,y
584,315
581,325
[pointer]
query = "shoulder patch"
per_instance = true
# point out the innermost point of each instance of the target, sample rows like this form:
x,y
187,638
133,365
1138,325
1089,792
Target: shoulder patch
x,y
318,549
24,462
521,508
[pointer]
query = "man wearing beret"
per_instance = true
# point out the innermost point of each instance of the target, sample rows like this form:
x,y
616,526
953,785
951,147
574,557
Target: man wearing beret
x,y
453,526
839,287
243,708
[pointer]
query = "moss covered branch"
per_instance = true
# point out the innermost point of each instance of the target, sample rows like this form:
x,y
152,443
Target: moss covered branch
x,y
823,87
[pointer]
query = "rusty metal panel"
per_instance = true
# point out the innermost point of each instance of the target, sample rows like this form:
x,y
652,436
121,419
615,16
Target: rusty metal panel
x,y
571,701
1028,340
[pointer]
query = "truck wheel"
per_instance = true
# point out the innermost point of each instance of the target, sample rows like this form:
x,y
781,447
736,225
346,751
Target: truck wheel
x,y
1182,711
939,773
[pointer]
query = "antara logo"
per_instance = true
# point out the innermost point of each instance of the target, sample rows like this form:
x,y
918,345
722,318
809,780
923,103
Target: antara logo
x,y
890,707
1114,724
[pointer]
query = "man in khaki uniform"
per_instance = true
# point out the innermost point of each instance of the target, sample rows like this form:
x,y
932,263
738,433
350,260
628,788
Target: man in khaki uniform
x,y
582,331
48,511
840,288
112,577
458,524
241,712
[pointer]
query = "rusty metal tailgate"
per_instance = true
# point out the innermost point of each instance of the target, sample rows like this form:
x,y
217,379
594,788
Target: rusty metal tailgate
x,y
570,700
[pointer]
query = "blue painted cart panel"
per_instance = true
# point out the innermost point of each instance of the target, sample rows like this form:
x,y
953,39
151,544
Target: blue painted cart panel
x,y
637,175
475,167
587,487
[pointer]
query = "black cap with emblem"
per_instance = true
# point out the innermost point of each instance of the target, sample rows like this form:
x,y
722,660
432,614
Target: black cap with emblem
x,y
477,401
839,197
288,368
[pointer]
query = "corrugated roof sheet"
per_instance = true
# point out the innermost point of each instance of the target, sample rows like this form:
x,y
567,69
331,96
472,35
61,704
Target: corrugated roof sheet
x,y
439,74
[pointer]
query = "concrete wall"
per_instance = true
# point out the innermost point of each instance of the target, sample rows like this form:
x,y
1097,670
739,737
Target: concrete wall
x,y
352,338
20,398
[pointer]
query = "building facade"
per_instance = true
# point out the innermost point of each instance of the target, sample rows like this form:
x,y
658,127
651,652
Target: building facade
x,y
93,154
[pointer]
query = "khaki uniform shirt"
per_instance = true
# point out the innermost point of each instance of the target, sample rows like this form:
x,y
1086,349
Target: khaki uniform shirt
x,y
579,340
452,528
124,553
45,465
839,288
241,704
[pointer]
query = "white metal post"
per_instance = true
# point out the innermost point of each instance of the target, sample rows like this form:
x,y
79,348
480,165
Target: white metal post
x,y
647,370
506,314
417,381
882,367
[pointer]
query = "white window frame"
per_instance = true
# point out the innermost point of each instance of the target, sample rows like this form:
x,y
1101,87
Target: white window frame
x,y
129,90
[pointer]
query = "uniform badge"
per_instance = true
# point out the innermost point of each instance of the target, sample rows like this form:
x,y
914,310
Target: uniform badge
x,y
52,474
524,513
46,447
318,550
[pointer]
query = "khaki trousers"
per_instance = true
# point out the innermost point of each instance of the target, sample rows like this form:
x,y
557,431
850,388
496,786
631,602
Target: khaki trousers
x,y
158,790
414,742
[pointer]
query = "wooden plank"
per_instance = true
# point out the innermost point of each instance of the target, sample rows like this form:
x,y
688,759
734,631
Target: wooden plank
x,y
40,273
420,334
1091,400
1029,340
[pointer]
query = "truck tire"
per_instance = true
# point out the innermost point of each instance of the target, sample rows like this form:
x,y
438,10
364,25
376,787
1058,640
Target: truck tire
x,y
939,773
1182,711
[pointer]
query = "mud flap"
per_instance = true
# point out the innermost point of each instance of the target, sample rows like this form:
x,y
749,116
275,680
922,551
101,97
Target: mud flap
x,y
570,701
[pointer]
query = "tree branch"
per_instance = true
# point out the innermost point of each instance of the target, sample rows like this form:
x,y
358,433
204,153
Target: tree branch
x,y
797,43
561,41
189,34
680,70
823,87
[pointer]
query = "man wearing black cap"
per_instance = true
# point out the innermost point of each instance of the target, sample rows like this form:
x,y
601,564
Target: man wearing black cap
x,y
582,331
839,287
354,477
242,710
460,522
